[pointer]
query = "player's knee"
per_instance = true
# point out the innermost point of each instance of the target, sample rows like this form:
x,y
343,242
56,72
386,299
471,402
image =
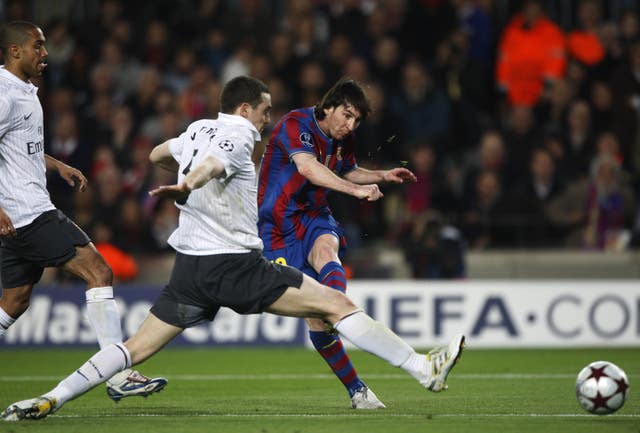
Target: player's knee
x,y
339,305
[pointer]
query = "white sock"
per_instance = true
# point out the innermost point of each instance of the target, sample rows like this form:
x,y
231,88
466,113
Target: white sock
x,y
416,365
5,321
375,338
96,370
103,314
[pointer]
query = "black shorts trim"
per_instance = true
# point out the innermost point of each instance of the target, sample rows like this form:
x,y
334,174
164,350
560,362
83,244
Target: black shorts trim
x,y
199,285
50,240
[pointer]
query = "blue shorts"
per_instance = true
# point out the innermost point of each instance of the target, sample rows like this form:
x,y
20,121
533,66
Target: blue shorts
x,y
296,253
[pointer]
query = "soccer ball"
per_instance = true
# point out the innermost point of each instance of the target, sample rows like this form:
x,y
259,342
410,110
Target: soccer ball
x,y
602,387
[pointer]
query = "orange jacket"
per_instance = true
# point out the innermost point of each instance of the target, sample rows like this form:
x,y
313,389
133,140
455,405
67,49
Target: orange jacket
x,y
124,266
526,57
585,47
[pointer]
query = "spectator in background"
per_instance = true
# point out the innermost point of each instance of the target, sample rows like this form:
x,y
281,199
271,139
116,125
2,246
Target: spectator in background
x,y
598,211
490,156
552,111
156,49
386,63
626,106
123,130
130,232
486,219
192,102
579,141
434,249
422,107
285,64
66,146
601,107
530,198
60,45
216,50
583,43
312,81
142,98
177,76
123,265
530,55
521,137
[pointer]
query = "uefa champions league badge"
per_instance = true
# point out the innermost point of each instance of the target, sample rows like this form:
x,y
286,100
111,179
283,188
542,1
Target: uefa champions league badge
x,y
306,139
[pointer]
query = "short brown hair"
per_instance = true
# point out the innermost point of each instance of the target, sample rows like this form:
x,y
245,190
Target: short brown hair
x,y
345,91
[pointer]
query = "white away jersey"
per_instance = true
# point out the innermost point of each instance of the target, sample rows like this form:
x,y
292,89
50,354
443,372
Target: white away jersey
x,y
23,183
222,216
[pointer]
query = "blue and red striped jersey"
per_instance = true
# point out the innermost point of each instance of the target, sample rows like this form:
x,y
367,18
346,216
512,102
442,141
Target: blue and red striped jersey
x,y
286,199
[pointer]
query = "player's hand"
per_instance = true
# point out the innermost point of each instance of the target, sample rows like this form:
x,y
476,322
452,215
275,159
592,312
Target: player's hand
x,y
176,192
6,225
399,175
73,176
369,192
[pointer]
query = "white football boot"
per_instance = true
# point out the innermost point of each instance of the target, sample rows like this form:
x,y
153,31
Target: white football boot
x,y
364,398
34,408
135,384
440,362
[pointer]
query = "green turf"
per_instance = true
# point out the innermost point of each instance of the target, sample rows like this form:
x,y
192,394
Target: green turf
x,y
290,391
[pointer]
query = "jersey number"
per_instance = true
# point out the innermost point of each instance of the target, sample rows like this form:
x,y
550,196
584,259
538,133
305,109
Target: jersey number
x,y
186,170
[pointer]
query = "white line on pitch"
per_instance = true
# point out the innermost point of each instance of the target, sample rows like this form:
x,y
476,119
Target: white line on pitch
x,y
344,415
214,377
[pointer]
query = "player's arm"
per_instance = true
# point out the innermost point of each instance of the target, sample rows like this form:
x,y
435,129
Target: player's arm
x,y
362,175
73,176
210,167
319,175
162,157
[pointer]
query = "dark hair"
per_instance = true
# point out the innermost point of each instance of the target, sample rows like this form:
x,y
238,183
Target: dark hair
x,y
345,91
15,32
239,90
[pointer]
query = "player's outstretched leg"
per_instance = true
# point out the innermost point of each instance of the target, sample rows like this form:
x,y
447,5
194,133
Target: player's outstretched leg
x,y
104,317
431,370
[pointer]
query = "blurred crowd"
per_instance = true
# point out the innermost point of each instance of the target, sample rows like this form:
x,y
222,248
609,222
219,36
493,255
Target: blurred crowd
x,y
520,118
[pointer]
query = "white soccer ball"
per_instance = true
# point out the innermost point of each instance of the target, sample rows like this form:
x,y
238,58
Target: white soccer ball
x,y
602,387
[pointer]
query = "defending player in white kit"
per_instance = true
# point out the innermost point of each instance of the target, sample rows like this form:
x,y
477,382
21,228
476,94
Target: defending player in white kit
x,y
33,233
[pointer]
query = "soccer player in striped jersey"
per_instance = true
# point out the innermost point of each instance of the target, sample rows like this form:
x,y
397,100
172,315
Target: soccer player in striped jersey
x,y
219,261
33,233
310,153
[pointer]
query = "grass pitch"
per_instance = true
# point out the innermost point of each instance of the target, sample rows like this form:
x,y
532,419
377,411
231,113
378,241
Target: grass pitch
x,y
278,390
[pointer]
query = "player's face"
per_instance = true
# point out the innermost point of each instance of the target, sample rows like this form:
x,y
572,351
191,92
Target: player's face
x,y
261,115
340,121
33,54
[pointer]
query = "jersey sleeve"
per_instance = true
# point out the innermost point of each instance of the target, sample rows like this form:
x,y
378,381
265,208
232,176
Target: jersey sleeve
x,y
295,137
176,146
5,115
231,150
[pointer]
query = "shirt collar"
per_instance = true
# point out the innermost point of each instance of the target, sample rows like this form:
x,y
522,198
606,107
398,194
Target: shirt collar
x,y
234,119
27,86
